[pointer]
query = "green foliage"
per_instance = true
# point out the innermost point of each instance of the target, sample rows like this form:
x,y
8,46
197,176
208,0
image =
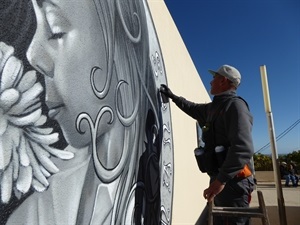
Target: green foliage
x,y
291,157
264,162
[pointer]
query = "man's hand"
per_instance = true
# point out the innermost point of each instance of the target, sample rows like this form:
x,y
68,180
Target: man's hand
x,y
166,91
214,188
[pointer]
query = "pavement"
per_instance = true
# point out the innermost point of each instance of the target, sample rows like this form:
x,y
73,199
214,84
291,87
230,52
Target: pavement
x,y
290,201
291,195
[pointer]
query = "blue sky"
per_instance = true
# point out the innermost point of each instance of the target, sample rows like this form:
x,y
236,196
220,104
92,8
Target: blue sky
x,y
248,34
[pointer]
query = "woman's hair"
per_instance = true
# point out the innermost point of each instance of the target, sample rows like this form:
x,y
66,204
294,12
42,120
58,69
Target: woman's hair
x,y
126,41
17,25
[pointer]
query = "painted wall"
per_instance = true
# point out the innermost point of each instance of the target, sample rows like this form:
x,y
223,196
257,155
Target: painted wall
x,y
84,135
184,80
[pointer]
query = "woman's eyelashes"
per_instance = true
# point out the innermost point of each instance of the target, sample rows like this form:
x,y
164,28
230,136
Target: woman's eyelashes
x,y
58,24
58,35
56,30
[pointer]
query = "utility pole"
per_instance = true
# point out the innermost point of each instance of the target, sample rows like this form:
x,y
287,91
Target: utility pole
x,y
277,177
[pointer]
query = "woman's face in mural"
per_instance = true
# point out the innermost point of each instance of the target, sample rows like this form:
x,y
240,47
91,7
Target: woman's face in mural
x,y
64,49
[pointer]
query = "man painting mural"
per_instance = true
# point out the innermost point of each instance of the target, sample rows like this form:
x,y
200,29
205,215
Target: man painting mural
x,y
226,125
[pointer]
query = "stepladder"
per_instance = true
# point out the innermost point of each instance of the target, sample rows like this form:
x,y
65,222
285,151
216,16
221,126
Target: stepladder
x,y
259,211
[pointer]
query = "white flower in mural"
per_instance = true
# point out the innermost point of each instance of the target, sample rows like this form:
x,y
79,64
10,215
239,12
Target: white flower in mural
x,y
25,154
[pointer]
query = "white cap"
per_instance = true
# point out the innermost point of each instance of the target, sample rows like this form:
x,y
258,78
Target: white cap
x,y
229,72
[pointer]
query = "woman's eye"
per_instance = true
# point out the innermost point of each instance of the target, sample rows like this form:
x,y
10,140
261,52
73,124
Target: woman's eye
x,y
58,35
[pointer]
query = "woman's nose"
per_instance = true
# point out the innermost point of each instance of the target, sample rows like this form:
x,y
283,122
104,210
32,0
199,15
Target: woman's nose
x,y
39,56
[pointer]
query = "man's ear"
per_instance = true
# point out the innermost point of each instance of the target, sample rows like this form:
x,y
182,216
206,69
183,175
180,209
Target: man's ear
x,y
224,80
226,83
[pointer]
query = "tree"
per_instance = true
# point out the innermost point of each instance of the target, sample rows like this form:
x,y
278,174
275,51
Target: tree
x,y
264,162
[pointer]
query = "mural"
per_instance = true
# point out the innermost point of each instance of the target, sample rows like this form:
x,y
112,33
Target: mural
x,y
84,135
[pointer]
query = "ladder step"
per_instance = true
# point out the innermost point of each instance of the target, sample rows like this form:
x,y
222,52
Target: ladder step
x,y
258,212
237,213
239,209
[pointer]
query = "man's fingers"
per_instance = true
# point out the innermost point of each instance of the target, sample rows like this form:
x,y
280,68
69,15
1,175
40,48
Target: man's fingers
x,y
209,196
205,193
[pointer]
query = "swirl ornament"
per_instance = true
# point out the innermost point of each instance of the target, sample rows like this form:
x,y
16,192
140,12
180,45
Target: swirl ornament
x,y
130,36
102,93
104,174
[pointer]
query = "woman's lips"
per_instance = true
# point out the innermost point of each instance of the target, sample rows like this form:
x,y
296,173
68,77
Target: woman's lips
x,y
54,108
53,112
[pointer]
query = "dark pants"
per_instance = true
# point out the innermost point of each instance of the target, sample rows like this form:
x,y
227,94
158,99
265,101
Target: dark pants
x,y
236,193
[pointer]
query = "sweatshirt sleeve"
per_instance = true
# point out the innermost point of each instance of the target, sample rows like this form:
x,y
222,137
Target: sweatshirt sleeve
x,y
238,125
195,110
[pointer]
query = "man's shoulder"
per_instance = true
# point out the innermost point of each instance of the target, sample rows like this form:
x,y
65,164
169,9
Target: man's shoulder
x,y
237,103
238,100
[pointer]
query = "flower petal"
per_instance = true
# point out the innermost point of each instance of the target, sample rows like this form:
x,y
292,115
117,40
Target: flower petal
x,y
24,159
5,52
26,120
24,179
43,158
36,167
39,187
15,163
45,172
42,131
28,98
47,139
6,145
3,123
8,98
11,73
41,121
27,81
6,184
59,153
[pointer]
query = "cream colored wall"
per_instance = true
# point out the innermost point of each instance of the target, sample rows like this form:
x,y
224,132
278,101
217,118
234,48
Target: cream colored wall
x,y
184,80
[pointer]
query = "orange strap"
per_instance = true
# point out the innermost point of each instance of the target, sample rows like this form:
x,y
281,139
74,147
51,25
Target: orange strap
x,y
245,172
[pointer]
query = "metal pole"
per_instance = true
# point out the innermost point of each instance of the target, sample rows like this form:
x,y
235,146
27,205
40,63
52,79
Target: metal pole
x,y
277,177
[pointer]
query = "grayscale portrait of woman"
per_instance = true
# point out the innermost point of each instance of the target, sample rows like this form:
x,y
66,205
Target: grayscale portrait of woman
x,y
84,135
